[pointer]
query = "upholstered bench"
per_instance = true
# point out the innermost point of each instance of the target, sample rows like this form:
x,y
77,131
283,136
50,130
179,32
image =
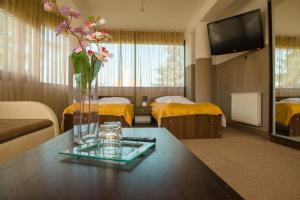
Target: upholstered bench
x,y
23,126
14,128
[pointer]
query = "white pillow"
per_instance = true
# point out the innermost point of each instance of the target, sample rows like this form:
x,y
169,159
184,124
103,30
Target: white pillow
x,y
113,100
173,99
291,100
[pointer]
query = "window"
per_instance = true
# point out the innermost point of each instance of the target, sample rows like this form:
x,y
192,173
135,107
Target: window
x,y
31,51
54,57
143,65
287,68
160,65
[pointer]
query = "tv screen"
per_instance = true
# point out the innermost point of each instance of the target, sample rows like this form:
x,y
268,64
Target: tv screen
x,y
235,34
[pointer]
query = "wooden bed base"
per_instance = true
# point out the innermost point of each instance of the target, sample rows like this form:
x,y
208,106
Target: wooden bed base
x,y
292,130
68,120
200,126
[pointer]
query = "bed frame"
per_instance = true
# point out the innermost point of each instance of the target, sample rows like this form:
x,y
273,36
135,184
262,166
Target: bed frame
x,y
293,128
68,118
201,126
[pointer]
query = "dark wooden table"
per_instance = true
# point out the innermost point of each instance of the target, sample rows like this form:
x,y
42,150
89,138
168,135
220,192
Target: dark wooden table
x,y
171,171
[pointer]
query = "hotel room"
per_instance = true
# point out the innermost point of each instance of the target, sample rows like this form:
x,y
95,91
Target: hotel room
x,y
149,99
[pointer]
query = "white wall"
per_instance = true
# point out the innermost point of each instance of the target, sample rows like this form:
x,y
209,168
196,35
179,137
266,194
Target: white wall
x,y
190,48
202,42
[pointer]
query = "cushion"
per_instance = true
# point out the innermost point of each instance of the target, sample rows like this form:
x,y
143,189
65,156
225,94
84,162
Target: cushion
x,y
173,99
113,100
13,128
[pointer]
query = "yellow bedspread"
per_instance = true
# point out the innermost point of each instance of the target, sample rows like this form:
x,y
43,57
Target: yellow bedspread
x,y
285,112
124,110
160,110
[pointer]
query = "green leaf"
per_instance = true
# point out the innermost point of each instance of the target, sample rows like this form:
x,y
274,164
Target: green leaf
x,y
80,62
82,66
96,65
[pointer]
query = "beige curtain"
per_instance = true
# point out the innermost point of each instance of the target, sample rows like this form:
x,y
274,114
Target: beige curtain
x,y
33,61
144,64
287,66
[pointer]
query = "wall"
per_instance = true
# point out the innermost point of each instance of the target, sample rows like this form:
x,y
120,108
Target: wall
x,y
238,7
190,82
216,77
243,74
203,80
286,16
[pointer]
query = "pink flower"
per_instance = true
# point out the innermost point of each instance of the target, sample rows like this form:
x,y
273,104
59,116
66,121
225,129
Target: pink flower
x,y
101,22
87,24
62,26
103,54
67,11
97,36
91,52
47,6
78,30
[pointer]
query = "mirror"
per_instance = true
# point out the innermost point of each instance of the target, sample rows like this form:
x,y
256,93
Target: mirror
x,y
286,68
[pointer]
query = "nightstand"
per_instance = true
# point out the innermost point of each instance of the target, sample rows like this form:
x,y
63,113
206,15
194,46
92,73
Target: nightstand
x,y
142,116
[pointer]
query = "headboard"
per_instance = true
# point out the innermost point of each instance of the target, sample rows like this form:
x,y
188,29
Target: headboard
x,y
130,98
153,99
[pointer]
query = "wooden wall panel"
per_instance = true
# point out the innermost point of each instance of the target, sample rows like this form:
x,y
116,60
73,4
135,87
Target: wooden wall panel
x,y
190,82
243,74
203,80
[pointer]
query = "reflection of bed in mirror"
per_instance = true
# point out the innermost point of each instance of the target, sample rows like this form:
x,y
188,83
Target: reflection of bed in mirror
x,y
288,116
119,116
175,117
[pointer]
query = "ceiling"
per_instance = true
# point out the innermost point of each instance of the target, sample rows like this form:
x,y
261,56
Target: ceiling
x,y
163,15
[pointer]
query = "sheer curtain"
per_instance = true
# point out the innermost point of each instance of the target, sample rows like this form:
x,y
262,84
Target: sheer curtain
x,y
287,66
144,64
33,61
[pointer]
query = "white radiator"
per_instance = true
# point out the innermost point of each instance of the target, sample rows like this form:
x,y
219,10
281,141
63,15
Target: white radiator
x,y
246,108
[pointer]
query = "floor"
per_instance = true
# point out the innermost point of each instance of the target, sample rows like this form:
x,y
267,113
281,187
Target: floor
x,y
255,167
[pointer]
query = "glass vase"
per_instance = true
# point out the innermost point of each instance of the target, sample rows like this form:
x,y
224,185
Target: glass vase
x,y
85,112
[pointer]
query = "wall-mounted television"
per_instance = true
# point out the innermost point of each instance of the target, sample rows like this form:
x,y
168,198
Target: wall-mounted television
x,y
235,34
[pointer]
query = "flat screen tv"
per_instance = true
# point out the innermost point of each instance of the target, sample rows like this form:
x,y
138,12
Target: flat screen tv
x,y
235,34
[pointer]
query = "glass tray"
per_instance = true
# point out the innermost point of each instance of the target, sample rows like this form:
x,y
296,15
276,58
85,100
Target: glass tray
x,y
125,152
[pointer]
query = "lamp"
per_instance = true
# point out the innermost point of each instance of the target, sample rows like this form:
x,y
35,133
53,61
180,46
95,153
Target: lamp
x,y
144,101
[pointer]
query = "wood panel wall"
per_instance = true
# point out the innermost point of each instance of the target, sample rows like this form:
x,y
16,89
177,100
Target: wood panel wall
x,y
243,74
203,80
190,82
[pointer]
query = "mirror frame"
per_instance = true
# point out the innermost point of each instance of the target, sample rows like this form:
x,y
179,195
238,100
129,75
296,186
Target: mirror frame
x,y
272,129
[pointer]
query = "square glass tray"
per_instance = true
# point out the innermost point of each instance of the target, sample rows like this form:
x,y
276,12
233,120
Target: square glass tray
x,y
125,151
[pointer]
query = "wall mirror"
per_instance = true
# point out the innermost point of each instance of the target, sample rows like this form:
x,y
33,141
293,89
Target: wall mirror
x,y
286,70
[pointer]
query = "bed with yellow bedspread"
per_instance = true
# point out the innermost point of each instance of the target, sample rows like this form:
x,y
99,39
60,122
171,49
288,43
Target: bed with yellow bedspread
x,y
121,110
161,110
285,112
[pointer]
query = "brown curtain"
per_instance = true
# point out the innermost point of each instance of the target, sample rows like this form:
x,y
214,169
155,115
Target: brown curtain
x,y
33,61
147,37
287,42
